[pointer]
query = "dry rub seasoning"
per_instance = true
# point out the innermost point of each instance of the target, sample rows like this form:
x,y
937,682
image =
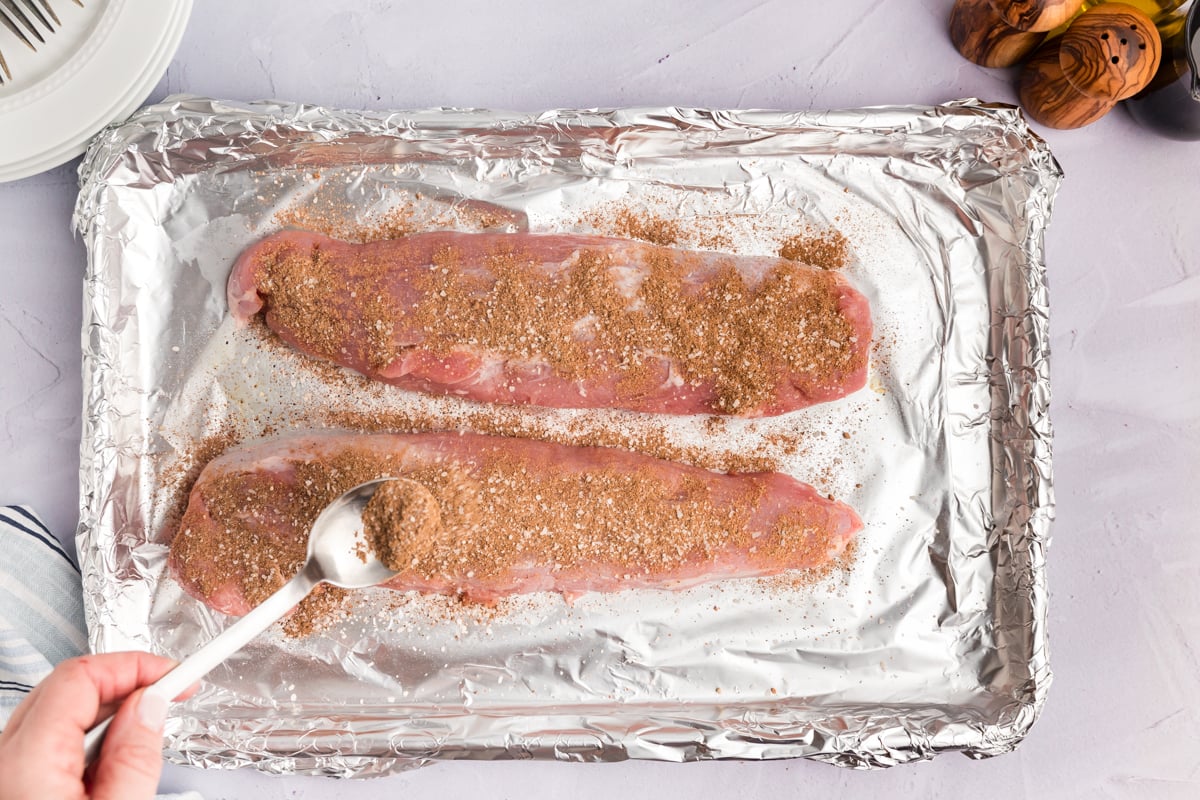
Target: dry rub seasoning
x,y
401,522
739,336
499,514
827,249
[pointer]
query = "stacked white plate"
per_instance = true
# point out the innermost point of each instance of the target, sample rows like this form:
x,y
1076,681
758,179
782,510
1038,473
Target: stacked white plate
x,y
98,67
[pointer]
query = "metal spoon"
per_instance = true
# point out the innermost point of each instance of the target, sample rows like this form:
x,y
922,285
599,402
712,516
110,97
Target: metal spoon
x,y
332,558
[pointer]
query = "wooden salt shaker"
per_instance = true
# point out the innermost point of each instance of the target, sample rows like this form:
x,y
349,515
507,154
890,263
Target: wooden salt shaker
x,y
1108,54
999,33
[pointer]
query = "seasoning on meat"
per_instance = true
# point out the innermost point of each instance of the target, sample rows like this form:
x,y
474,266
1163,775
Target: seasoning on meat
x,y
564,321
517,516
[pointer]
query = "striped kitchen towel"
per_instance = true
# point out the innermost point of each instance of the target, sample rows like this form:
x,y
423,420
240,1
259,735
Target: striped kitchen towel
x,y
41,606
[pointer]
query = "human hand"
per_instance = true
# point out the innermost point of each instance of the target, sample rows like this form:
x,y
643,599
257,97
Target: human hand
x,y
41,749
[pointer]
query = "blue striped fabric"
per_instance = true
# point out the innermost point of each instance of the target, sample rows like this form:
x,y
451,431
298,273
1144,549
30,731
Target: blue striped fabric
x,y
41,606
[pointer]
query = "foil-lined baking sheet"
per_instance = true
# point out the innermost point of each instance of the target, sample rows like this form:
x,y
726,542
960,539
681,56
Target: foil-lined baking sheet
x,y
931,639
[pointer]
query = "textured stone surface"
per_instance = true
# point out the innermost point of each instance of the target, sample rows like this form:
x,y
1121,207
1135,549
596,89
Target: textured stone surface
x,y
1124,262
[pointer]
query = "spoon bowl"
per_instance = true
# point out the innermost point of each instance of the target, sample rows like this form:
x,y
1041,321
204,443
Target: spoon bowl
x,y
335,549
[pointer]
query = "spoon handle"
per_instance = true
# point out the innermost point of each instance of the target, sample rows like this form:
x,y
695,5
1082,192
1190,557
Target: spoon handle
x,y
219,648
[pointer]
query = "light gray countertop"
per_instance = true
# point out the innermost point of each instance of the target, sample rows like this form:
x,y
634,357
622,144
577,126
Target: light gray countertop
x,y
1123,718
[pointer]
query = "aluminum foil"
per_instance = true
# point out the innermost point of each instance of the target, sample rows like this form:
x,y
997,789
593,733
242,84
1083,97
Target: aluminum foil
x,y
934,638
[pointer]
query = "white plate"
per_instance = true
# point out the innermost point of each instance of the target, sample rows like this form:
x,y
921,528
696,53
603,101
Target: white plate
x,y
96,69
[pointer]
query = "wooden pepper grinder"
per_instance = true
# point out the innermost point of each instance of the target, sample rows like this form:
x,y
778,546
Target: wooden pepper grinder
x,y
1108,54
999,33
